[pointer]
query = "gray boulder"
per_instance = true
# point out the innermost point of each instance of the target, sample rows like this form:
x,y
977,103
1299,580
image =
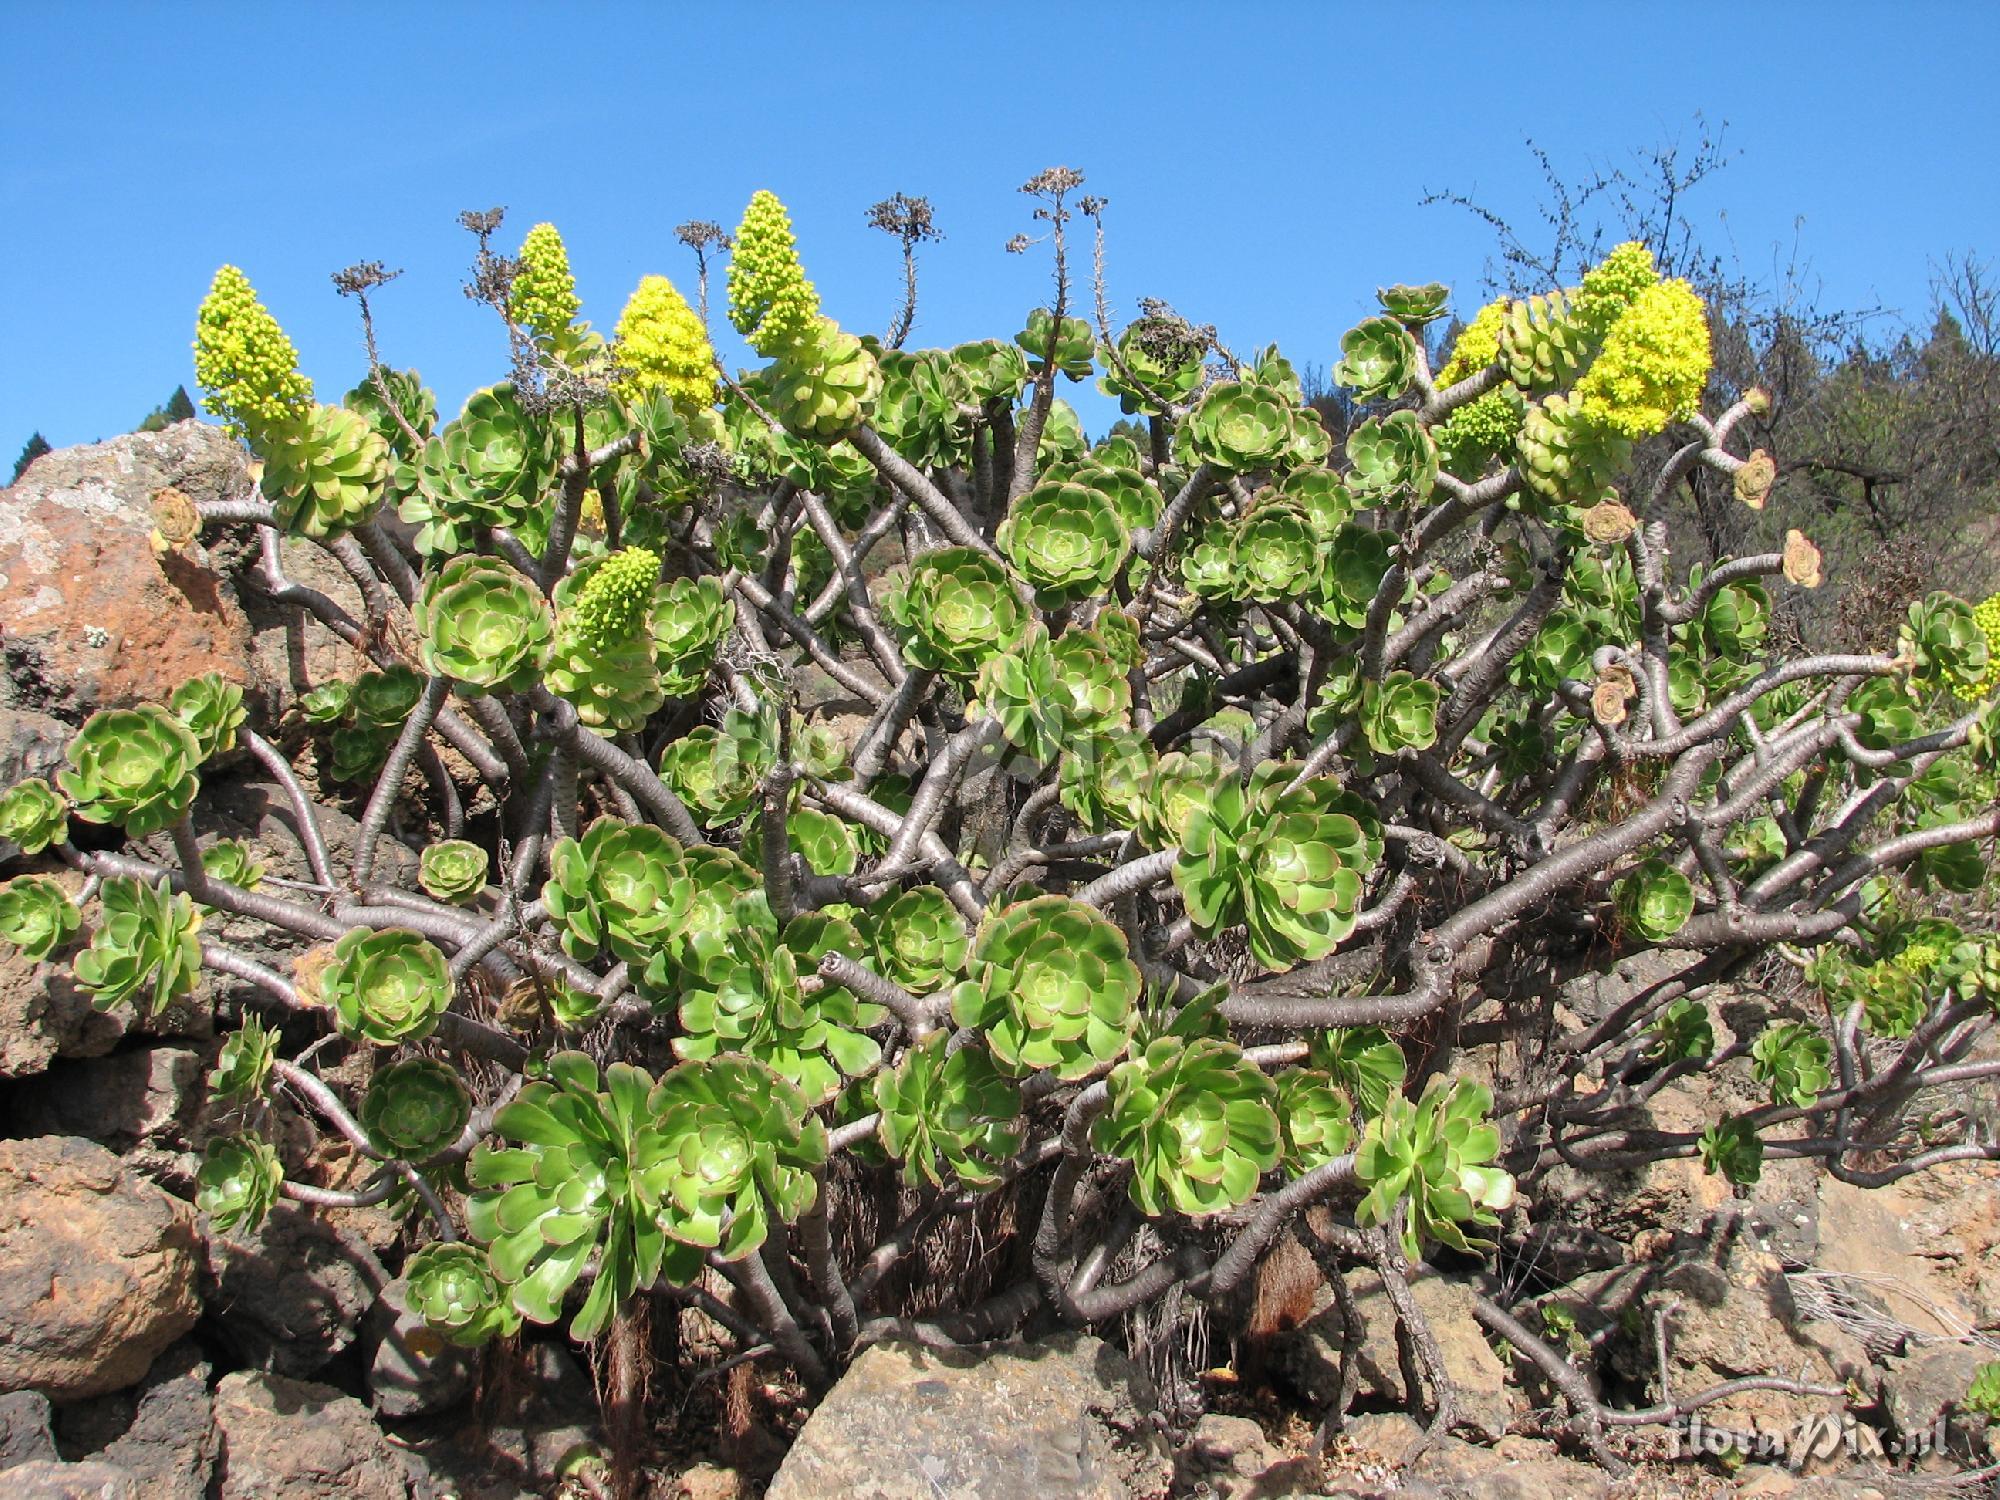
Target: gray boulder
x,y
1064,1419
285,1439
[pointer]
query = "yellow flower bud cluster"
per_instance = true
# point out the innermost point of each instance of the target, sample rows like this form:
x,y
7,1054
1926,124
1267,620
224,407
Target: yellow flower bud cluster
x,y
616,602
1479,429
544,299
770,301
1653,366
664,347
248,369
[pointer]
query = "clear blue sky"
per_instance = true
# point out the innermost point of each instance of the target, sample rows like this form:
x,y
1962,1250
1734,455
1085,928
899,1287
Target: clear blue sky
x,y
1263,162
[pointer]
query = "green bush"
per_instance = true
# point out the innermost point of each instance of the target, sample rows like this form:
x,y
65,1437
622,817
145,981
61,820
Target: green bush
x,y
1132,823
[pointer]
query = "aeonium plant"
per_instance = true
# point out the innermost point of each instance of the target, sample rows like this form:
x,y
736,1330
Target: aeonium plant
x,y
1151,851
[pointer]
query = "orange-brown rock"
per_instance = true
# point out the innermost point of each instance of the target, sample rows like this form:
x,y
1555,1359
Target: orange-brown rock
x,y
91,616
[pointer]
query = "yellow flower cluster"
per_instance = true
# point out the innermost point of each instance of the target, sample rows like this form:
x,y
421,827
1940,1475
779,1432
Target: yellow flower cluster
x,y
544,299
770,301
1613,285
662,343
248,369
617,599
1653,366
1477,347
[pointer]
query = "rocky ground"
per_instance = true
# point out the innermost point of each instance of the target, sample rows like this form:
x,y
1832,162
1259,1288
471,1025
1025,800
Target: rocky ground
x,y
143,1354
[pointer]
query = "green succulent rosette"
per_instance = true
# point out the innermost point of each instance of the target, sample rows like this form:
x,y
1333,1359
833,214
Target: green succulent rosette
x,y
383,700
1048,696
1543,343
1944,643
692,617
956,608
1733,1148
36,915
1322,495
231,862
950,1117
34,815
1106,779
755,1005
1287,864
1655,900
1358,559
740,1142
328,703
718,881
358,752
603,658
1052,985
1276,554
1564,457
132,766
823,385
1164,364
1793,1061
1682,1031
1208,565
622,886
919,940
1197,1121
1135,498
487,468
1982,1392
990,371
324,473
811,935
145,948
718,769
399,394
1068,540
578,1181
483,625
385,987
452,871
1316,1117
1069,345
1378,360
1365,1061
918,411
212,708
1240,426
1414,306
826,843
1180,788
243,1065
1437,1154
1887,717
454,1290
1390,459
1399,712
237,1182
415,1108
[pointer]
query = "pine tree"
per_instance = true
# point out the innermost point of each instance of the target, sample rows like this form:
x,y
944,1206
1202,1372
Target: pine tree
x,y
177,409
35,447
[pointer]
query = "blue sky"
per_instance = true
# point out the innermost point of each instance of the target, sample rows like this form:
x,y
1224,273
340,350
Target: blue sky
x,y
1263,162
